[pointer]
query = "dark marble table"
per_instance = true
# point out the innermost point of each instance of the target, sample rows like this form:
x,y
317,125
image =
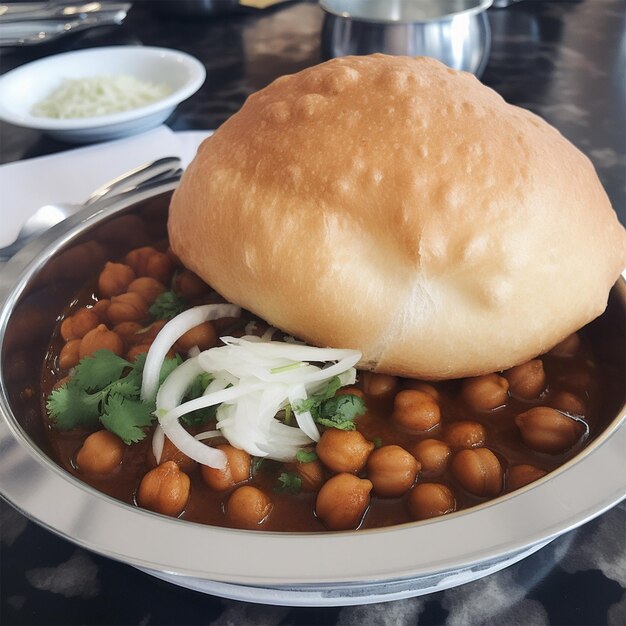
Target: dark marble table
x,y
564,60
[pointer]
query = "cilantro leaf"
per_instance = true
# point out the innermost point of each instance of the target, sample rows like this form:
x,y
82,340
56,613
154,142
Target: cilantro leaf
x,y
289,483
201,416
305,456
169,365
123,388
71,407
100,392
200,383
126,418
331,410
167,305
315,400
100,369
136,373
341,411
258,462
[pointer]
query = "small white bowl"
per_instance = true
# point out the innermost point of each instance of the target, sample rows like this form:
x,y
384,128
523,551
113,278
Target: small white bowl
x,y
24,86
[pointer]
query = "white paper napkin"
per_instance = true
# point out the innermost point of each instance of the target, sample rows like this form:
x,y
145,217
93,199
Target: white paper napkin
x,y
71,176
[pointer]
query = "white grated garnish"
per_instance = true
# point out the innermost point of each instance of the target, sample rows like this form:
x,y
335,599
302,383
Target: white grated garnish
x,y
99,95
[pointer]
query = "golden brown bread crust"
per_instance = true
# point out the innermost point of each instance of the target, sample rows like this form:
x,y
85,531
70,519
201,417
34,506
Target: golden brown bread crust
x,y
396,206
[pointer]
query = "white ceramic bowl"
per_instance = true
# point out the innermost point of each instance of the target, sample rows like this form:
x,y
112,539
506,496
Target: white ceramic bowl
x,y
24,86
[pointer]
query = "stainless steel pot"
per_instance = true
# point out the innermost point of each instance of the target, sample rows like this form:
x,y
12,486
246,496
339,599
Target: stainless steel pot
x,y
454,31
331,568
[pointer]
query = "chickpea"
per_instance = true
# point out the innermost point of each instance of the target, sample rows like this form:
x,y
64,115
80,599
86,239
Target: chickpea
x,y
521,475
148,288
433,455
568,403
135,351
69,355
149,333
78,325
114,279
100,453
479,471
343,450
342,501
237,469
568,347
100,338
379,385
415,410
465,434
547,430
392,471
428,500
128,332
190,286
101,308
164,489
350,391
203,336
248,507
160,267
485,392
420,385
138,259
128,307
311,475
171,453
527,380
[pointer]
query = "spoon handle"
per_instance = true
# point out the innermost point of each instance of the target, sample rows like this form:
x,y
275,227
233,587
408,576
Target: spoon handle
x,y
136,177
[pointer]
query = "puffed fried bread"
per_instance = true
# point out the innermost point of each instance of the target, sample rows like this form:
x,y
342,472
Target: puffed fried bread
x,y
399,207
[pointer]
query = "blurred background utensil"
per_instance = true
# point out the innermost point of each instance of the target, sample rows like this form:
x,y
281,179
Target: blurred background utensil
x,y
454,31
21,11
50,214
38,22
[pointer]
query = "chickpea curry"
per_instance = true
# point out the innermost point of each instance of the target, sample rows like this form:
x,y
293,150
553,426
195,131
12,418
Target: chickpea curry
x,y
358,450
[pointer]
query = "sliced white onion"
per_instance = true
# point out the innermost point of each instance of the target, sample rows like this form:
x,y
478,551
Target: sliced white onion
x,y
297,393
208,434
170,333
203,402
192,447
173,390
292,351
158,443
269,333
168,398
253,378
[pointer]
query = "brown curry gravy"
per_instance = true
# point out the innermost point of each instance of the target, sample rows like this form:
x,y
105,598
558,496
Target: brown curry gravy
x,y
600,388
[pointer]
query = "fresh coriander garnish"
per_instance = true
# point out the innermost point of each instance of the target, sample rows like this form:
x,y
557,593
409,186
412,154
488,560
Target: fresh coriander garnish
x,y
100,392
289,483
332,410
378,442
201,416
305,456
257,464
167,305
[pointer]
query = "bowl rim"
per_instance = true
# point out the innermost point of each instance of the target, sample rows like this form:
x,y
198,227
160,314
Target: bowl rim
x,y
35,485
195,79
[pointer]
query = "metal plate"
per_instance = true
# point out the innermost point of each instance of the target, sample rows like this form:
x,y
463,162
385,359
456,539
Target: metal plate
x,y
32,288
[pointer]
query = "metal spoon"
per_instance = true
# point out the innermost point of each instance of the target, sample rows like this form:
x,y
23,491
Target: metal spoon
x,y
50,214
